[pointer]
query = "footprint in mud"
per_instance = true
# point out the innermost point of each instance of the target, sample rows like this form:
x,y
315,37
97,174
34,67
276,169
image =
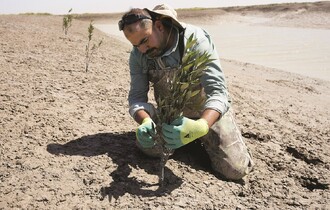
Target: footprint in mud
x,y
295,153
257,136
312,183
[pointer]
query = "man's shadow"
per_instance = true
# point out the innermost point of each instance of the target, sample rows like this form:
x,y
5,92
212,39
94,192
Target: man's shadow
x,y
122,150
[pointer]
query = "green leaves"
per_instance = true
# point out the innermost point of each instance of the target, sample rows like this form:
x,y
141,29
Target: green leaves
x,y
67,22
90,30
90,48
190,44
184,86
184,83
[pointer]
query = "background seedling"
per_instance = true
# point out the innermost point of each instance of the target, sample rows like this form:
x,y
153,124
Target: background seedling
x,y
67,22
91,47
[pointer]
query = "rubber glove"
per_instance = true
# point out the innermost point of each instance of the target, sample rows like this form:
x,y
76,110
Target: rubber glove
x,y
145,131
183,131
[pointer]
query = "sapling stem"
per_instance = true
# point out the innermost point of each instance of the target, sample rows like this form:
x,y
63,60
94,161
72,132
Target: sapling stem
x,y
67,22
90,47
182,87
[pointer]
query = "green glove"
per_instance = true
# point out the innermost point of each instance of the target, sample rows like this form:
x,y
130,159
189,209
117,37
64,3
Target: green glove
x,y
144,133
183,131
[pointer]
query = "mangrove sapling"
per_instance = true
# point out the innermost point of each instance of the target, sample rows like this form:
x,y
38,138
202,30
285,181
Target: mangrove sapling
x,y
67,22
182,87
91,47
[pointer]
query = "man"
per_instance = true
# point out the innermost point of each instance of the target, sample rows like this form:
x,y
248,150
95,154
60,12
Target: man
x,y
158,40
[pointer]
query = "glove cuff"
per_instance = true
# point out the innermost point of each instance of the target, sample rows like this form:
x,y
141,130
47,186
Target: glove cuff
x,y
204,126
146,120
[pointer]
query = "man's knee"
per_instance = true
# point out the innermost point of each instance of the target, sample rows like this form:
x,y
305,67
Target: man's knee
x,y
232,169
227,150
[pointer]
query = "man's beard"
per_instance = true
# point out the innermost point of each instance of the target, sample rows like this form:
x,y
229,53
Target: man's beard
x,y
157,52
154,52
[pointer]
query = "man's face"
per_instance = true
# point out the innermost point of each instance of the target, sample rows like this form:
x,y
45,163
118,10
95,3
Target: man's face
x,y
150,41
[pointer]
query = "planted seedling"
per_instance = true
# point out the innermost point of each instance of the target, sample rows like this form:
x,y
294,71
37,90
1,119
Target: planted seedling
x,y
183,86
91,48
67,22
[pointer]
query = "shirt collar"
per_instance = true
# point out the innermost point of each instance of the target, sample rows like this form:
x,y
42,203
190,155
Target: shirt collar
x,y
176,41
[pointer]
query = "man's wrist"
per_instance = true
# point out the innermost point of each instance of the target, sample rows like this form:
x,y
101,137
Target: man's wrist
x,y
141,115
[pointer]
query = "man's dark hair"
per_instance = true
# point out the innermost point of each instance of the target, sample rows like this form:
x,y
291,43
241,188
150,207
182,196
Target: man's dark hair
x,y
133,16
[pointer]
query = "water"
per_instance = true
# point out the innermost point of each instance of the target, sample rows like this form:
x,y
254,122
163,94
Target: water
x,y
298,50
112,29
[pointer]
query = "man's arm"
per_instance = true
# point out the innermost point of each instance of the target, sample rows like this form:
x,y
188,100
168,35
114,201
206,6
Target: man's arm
x,y
139,87
211,116
213,79
140,115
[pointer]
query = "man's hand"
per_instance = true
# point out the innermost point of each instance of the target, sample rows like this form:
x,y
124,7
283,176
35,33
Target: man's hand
x,y
145,131
183,131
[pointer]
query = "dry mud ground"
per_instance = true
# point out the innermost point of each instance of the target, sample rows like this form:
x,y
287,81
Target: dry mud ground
x,y
67,140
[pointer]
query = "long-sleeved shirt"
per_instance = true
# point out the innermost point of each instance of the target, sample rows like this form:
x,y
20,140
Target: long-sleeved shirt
x,y
212,80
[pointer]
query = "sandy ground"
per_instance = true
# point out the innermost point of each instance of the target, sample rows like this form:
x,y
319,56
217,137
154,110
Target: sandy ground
x,y
67,140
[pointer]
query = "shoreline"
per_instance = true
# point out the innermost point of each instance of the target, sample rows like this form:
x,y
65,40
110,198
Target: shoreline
x,y
305,15
253,49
